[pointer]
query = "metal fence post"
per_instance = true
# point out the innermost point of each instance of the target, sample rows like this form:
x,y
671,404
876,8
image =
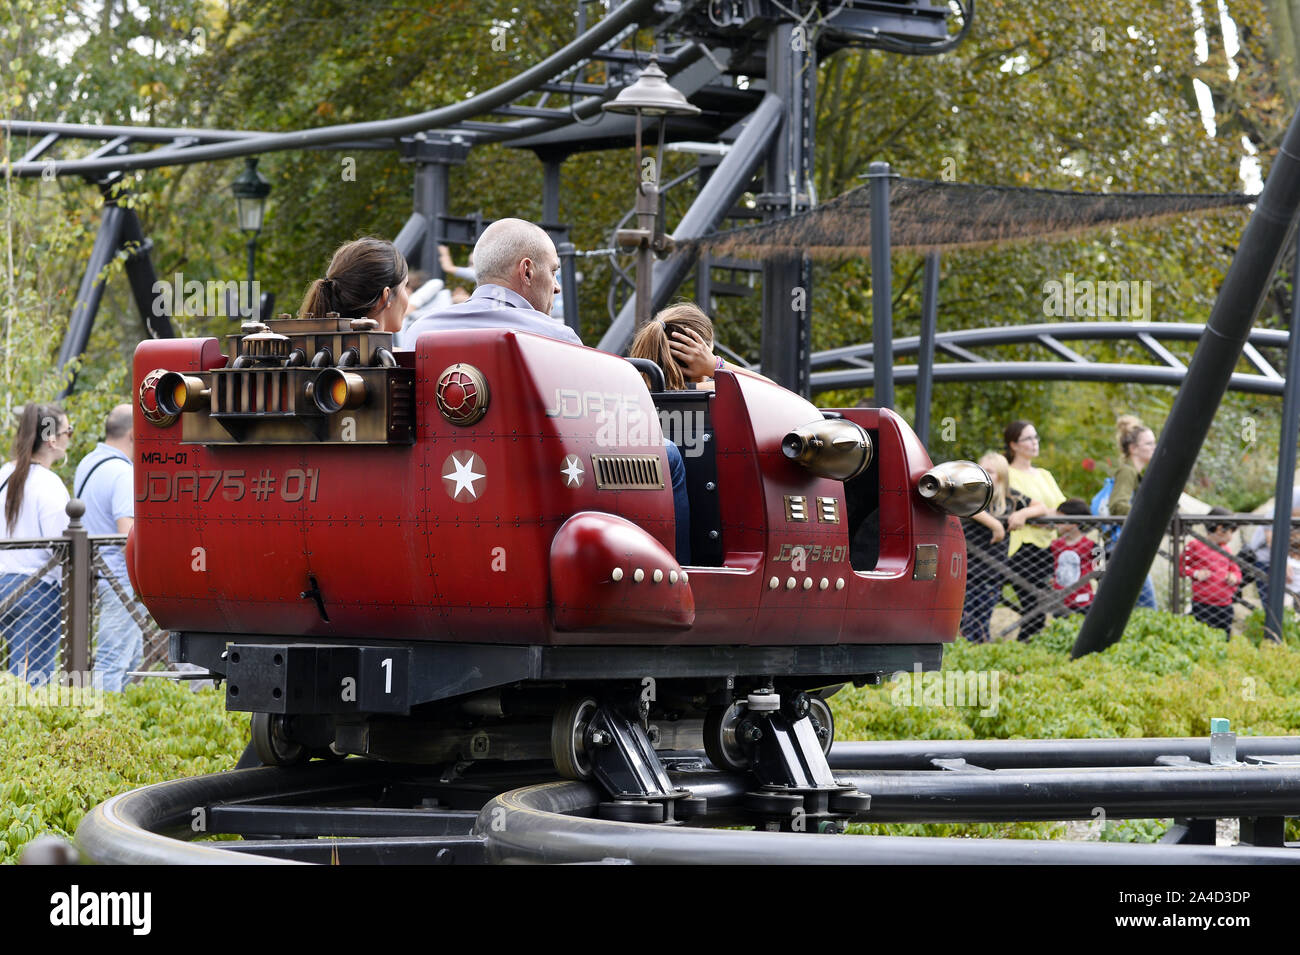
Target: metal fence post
x,y
1176,550
77,582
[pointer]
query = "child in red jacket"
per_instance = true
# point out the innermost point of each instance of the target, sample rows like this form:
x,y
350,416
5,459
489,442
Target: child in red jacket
x,y
1215,576
1073,556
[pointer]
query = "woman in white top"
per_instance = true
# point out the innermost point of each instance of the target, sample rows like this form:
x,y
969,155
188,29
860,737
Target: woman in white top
x,y
35,506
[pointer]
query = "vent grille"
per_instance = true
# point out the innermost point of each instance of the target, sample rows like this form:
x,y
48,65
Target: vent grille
x,y
261,391
627,472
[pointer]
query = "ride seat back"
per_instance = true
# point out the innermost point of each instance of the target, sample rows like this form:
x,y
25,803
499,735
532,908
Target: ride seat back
x,y
686,419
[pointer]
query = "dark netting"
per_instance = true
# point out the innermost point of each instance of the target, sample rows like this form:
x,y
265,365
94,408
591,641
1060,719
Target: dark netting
x,y
928,215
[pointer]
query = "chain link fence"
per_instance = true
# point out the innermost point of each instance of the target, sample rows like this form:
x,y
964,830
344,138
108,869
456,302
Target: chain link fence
x,y
72,611
1221,583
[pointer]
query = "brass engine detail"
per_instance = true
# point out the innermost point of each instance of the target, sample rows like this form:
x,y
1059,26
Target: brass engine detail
x,y
796,507
962,488
148,398
462,394
282,386
831,448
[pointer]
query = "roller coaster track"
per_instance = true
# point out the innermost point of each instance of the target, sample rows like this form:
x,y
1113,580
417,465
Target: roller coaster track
x,y
182,146
358,811
1069,366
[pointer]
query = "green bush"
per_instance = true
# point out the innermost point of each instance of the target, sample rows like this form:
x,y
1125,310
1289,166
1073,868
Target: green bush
x,y
58,762
1168,677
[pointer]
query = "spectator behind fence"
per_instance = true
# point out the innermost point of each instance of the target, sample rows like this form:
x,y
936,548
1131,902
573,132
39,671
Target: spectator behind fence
x,y
104,483
1257,547
1215,576
35,506
1073,557
1030,551
1137,444
986,538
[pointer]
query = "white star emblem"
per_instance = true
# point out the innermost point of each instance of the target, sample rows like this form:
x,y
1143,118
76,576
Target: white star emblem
x,y
573,469
463,473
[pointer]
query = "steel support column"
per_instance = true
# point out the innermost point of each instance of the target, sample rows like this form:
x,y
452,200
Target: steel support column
x,y
786,350
1280,546
882,290
140,273
1262,245
107,243
925,358
433,161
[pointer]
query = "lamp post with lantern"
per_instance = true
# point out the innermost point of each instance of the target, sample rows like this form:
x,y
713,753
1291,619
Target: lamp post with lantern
x,y
650,95
250,190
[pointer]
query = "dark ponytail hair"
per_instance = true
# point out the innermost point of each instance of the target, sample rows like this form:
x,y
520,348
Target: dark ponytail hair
x,y
356,278
33,425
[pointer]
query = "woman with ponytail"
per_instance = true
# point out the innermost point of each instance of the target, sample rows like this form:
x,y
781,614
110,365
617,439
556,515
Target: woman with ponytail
x,y
1137,445
35,505
366,278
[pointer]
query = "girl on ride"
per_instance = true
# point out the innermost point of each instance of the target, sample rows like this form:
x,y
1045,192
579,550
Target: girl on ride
x,y
1030,552
680,341
35,506
366,278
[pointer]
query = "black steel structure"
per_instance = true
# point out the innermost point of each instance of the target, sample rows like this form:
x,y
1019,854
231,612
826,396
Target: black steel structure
x,y
703,45
1227,333
359,811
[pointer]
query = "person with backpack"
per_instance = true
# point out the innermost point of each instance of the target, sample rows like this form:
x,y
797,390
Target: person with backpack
x,y
1137,445
35,506
105,483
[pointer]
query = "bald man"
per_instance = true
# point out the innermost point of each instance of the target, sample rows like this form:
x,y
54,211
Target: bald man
x,y
518,277
517,269
105,483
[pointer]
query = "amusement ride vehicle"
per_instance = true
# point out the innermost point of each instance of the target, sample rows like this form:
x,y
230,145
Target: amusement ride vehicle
x,y
465,551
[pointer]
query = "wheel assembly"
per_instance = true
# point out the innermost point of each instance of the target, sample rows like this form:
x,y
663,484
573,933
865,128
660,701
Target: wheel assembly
x,y
271,741
568,738
721,738
823,721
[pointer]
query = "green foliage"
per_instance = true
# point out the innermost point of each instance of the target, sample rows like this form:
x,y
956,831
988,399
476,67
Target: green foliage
x,y
58,762
1254,631
1168,677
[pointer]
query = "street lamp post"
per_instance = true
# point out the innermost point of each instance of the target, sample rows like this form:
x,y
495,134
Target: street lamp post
x,y
250,190
650,95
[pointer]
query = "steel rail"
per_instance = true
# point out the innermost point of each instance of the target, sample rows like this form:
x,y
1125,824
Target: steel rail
x,y
1039,371
552,821
1033,334
527,81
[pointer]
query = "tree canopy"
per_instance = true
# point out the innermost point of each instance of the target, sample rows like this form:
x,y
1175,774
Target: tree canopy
x,y
1104,97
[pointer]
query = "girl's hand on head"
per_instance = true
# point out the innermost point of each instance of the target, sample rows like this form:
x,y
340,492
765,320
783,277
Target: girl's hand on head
x,y
692,353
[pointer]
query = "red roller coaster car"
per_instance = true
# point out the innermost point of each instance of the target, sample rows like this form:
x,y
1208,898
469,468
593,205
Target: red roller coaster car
x,y
464,551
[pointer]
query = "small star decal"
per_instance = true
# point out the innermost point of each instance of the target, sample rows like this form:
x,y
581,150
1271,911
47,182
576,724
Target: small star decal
x,y
462,470
573,469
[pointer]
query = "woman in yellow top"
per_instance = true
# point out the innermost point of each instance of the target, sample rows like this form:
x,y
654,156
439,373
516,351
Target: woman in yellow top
x,y
1030,550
